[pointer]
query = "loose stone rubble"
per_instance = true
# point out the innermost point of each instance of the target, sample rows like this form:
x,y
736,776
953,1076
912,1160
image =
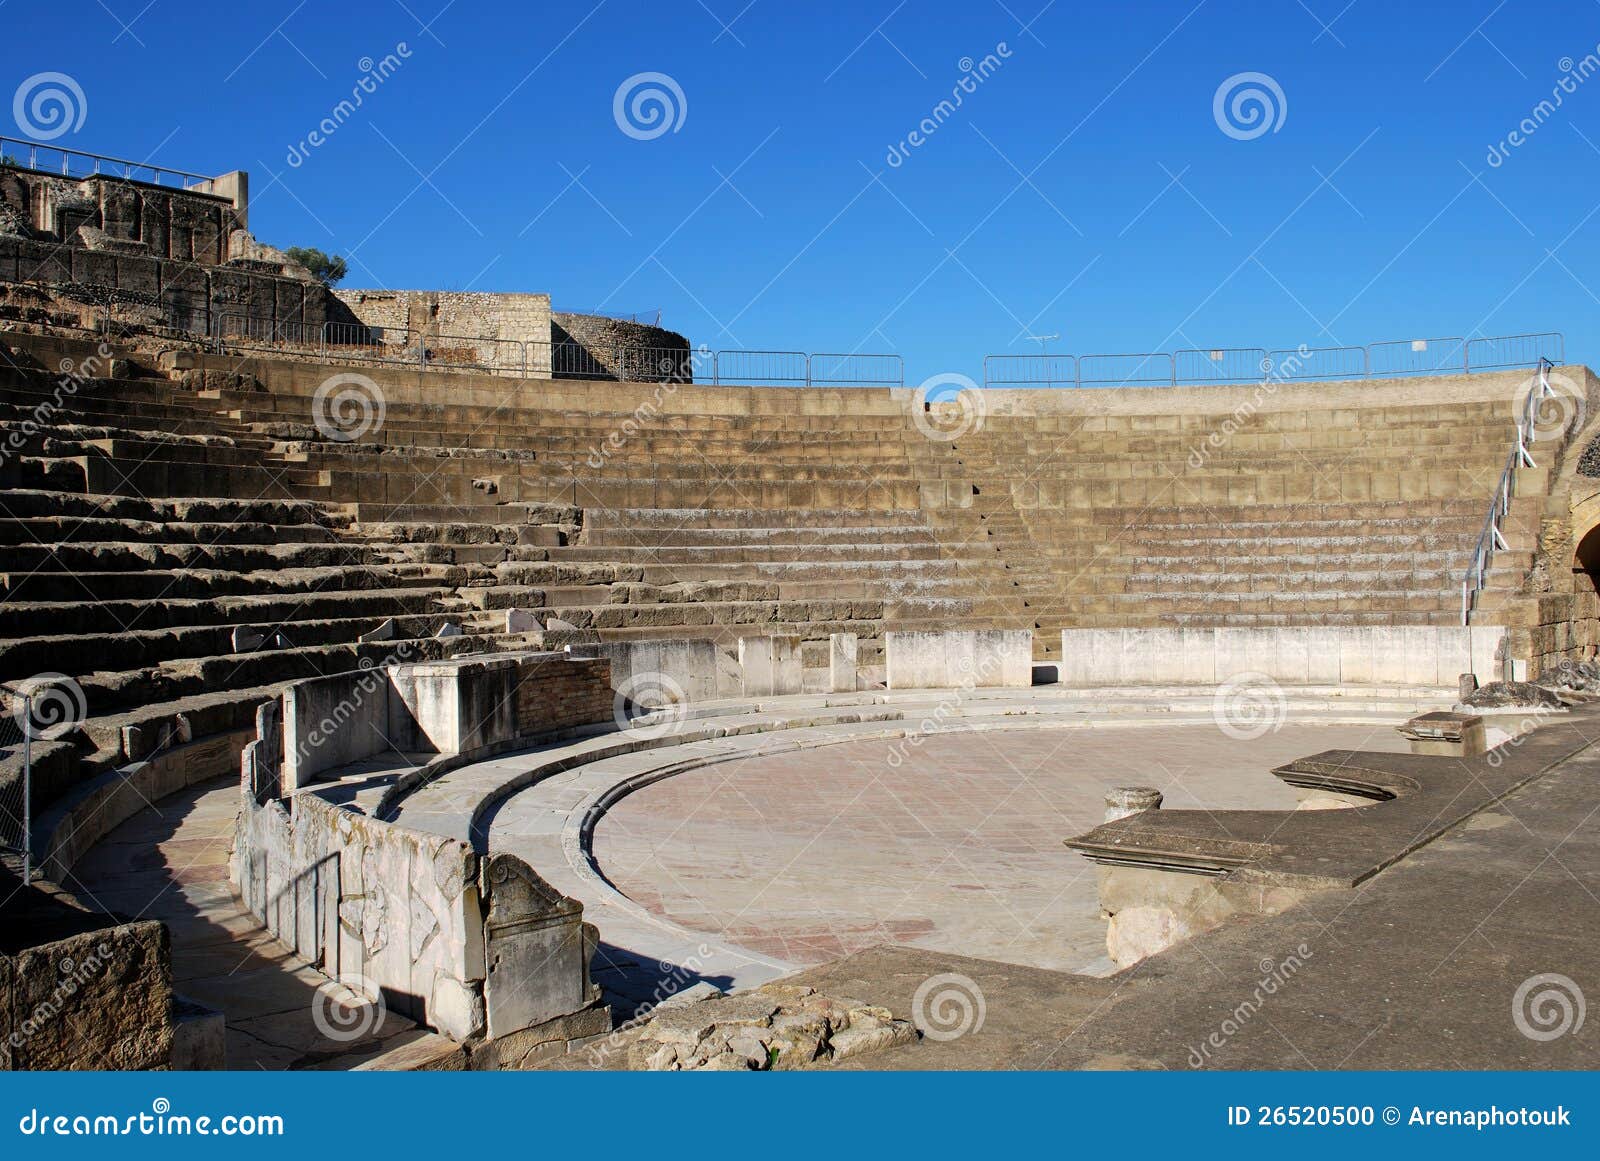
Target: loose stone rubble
x,y
777,1026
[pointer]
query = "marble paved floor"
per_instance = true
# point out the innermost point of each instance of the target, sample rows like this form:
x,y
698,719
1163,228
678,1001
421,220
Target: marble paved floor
x,y
956,845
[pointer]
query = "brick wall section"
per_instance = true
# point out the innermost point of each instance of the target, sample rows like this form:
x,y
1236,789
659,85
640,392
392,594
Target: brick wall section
x,y
556,693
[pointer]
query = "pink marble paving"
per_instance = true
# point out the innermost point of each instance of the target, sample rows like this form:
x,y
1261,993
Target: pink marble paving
x,y
814,854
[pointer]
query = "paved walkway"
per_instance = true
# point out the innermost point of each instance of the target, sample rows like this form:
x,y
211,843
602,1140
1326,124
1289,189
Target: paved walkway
x,y
1474,952
170,862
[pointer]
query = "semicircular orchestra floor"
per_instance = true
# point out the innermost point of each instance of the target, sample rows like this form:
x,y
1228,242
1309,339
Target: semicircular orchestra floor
x,y
953,845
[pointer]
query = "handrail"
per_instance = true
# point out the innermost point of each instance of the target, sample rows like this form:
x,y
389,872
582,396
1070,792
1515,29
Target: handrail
x,y
1491,539
1394,359
34,148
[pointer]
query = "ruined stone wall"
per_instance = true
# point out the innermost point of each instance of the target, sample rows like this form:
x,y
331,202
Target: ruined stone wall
x,y
458,328
132,216
520,318
185,296
619,349
78,989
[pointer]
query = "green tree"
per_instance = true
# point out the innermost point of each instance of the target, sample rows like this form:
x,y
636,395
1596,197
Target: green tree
x,y
328,268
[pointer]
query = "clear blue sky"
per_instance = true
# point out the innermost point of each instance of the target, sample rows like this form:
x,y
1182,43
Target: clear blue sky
x,y
771,218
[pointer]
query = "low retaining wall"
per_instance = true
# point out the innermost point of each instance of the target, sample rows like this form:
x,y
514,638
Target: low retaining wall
x,y
453,706
88,812
975,658
1379,655
659,671
471,945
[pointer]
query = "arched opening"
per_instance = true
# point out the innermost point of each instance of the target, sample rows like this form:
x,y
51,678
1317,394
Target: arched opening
x,y
1586,561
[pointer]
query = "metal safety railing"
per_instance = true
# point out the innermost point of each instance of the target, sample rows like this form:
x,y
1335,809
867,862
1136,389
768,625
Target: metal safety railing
x,y
565,360
1492,537
16,777
77,163
1242,365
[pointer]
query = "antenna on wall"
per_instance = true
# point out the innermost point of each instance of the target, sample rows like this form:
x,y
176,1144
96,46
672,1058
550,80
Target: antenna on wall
x,y
1042,340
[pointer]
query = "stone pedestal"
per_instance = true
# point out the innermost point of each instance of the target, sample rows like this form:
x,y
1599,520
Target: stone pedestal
x,y
1446,734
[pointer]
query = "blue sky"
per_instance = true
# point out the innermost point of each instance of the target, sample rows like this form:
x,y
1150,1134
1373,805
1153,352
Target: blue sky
x,y
1084,188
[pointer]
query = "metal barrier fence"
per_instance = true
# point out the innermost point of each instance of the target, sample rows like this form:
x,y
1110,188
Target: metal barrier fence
x,y
567,360
16,777
76,163
1386,360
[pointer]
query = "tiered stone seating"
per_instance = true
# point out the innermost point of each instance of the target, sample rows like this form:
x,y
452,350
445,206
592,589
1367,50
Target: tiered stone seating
x,y
148,518
1339,516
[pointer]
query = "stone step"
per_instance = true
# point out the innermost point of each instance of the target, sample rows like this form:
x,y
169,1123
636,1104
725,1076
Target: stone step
x,y
26,618
166,584
76,653
87,556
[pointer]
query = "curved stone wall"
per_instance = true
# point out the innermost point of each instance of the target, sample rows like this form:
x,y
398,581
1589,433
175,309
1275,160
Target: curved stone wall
x,y
615,348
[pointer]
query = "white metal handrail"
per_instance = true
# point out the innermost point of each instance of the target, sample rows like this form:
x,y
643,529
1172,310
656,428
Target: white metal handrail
x,y
1491,539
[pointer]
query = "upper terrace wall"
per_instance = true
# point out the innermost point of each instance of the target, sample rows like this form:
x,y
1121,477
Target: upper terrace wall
x,y
409,385
185,225
1282,396
520,318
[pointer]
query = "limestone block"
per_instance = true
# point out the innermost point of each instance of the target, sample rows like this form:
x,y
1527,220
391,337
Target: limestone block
x,y
842,653
384,632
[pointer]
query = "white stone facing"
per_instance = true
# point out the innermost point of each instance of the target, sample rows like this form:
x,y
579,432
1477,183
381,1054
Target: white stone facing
x,y
987,659
843,649
1428,655
770,665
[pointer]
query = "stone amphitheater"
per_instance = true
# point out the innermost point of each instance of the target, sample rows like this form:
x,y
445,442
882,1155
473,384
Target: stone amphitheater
x,y
418,680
